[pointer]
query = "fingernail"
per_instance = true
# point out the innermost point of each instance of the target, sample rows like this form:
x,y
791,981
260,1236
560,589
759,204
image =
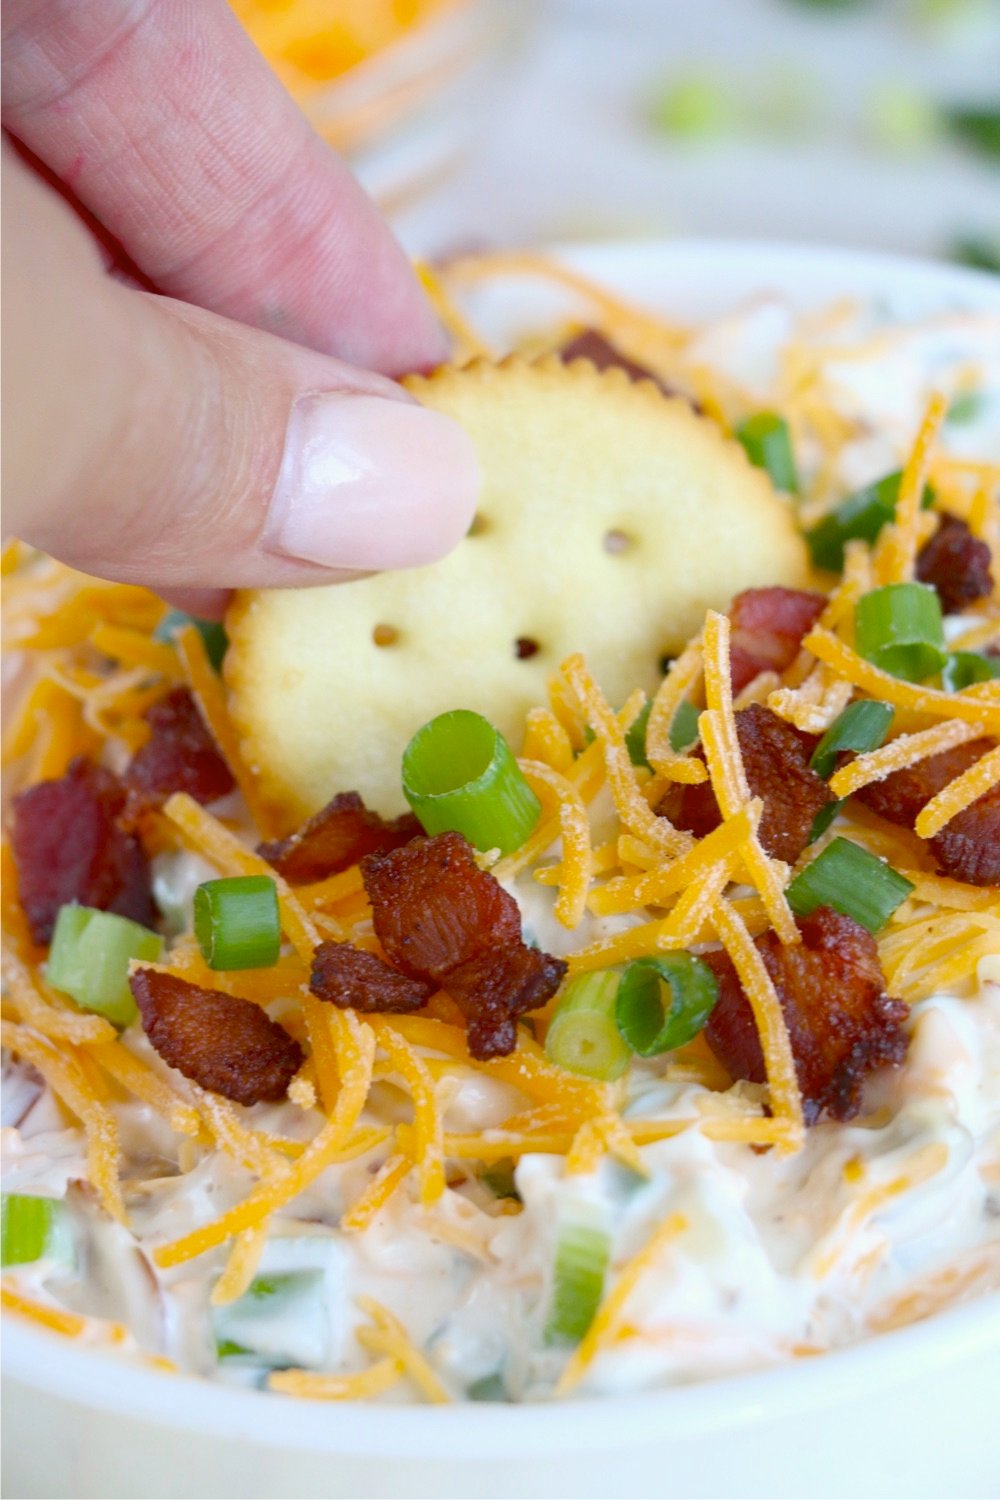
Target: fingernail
x,y
368,482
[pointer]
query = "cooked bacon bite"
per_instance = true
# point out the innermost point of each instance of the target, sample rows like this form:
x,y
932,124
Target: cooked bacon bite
x,y
776,761
957,564
218,1041
967,848
179,756
767,630
361,981
841,1024
68,846
335,838
441,918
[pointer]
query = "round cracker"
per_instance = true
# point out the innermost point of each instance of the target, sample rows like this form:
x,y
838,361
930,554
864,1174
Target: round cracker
x,y
611,518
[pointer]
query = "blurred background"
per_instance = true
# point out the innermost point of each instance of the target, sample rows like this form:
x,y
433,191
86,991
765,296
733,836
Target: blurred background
x,y
485,123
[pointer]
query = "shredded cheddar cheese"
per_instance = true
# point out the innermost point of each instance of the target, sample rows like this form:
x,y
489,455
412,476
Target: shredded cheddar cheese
x,y
959,794
906,750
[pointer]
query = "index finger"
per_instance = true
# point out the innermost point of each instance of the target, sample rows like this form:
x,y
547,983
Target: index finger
x,y
165,121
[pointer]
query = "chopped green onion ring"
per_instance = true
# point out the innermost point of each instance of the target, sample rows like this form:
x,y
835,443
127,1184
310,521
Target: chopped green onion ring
x,y
33,1228
237,922
665,1001
899,628
582,1254
853,882
459,773
863,726
767,442
583,1036
211,631
963,668
862,515
89,959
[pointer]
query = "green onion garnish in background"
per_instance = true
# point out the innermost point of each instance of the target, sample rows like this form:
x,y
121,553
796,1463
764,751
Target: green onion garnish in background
x,y
459,773
32,1228
237,922
696,105
853,882
89,958
899,629
583,1036
862,726
862,515
981,251
488,1388
768,444
963,668
582,1255
965,408
280,1320
211,632
977,127
663,1002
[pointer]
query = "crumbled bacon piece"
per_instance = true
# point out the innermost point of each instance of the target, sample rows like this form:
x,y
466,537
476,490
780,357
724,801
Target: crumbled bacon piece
x,y
767,630
441,918
68,846
179,756
353,979
223,1043
776,761
605,356
335,838
957,564
967,848
841,1024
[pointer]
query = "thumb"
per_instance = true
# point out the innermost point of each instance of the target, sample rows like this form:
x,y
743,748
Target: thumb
x,y
152,442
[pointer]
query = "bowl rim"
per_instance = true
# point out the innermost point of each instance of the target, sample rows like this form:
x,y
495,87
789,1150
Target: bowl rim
x,y
102,1380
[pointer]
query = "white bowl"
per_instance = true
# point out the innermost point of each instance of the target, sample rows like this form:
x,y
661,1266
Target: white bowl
x,y
910,1413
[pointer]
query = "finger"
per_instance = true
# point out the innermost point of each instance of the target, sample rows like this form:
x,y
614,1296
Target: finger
x,y
235,204
153,442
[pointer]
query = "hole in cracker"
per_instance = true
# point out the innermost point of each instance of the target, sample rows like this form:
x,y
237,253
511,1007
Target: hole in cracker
x,y
525,648
385,635
616,541
478,525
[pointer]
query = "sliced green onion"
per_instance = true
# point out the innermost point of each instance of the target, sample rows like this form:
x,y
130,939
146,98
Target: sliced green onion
x,y
211,631
976,126
488,1388
582,1255
853,882
899,629
582,1035
695,104
965,408
684,729
768,444
981,251
280,1320
499,1178
635,736
862,726
89,958
824,818
459,773
963,668
237,922
663,1002
33,1229
862,515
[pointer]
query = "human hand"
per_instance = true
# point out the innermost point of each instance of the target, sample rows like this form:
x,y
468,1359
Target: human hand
x,y
204,439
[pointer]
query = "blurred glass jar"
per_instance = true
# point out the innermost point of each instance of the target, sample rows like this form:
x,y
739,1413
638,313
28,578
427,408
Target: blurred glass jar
x,y
399,87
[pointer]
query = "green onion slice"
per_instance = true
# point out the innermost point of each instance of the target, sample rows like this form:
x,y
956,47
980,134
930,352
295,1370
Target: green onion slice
x,y
583,1036
499,1178
212,633
684,729
862,726
824,818
899,629
635,736
963,668
237,922
853,882
768,444
89,958
280,1320
459,773
488,1388
582,1255
33,1229
663,1002
862,515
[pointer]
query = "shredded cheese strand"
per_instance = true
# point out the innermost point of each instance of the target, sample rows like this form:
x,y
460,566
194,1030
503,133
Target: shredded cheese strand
x,y
427,1122
362,1385
577,863
683,677
389,1337
902,539
906,750
391,1175
241,1267
958,795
